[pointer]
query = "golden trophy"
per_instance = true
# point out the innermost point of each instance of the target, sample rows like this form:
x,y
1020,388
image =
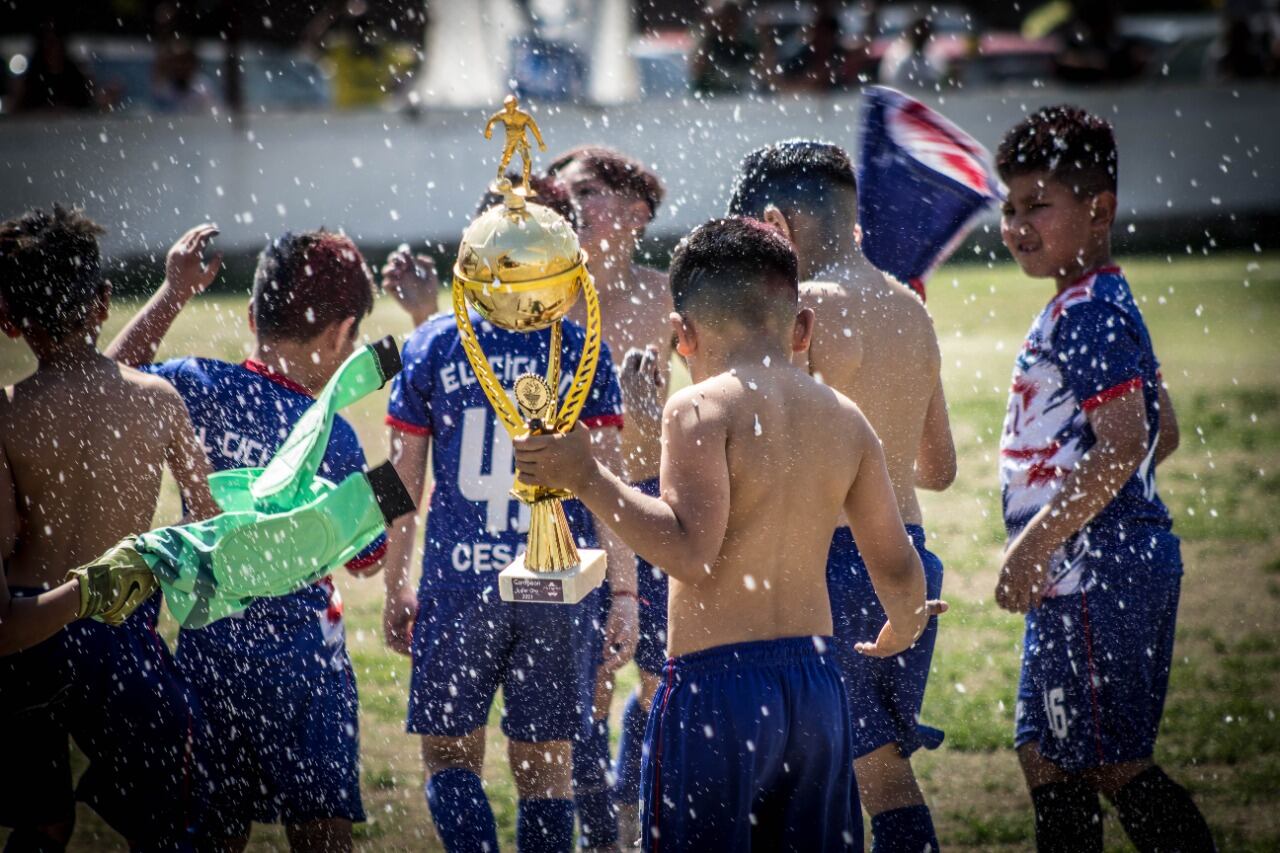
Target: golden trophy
x,y
521,267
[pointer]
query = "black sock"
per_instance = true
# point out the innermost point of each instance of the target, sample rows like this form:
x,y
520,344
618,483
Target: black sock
x,y
1068,818
1160,817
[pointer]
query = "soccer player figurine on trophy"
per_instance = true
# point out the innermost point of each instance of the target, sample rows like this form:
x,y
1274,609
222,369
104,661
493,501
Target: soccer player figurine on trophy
x,y
521,268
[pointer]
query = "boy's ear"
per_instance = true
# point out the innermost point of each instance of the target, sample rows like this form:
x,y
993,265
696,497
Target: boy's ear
x,y
347,329
1102,210
686,335
857,234
773,216
802,331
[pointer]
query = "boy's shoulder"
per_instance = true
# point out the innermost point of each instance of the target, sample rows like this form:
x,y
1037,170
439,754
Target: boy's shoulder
x,y
1101,298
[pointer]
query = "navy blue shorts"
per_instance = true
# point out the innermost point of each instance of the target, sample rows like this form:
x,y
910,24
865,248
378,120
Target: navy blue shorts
x,y
747,748
467,644
281,730
651,650
885,694
117,692
1095,666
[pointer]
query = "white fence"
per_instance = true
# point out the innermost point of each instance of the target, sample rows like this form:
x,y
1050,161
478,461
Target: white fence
x,y
1185,153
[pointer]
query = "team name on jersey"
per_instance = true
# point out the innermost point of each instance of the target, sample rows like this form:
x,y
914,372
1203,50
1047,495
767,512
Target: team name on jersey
x,y
239,450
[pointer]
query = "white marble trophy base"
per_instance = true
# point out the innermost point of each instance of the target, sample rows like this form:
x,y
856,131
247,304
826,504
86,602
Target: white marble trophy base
x,y
518,583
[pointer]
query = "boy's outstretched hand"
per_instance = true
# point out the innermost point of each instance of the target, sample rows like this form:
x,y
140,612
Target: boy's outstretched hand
x,y
185,271
890,642
556,460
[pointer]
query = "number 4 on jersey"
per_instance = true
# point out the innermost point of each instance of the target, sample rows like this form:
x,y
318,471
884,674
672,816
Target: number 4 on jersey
x,y
490,488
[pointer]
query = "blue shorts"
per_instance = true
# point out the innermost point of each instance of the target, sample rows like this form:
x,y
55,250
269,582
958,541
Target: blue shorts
x,y
651,650
281,729
885,694
467,644
117,692
747,748
1095,666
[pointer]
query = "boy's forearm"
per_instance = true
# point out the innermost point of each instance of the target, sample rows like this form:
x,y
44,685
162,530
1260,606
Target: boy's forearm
x,y
902,594
395,568
138,342
647,525
24,622
1085,492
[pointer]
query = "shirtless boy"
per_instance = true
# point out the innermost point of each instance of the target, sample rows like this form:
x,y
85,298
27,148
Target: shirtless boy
x,y
873,341
749,740
616,198
80,470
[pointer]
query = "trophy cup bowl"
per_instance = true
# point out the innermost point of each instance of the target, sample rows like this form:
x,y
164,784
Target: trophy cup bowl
x,y
521,267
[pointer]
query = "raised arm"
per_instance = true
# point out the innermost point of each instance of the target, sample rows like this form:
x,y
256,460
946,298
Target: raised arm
x,y
1120,427
936,457
185,457
185,275
892,562
409,456
488,127
682,531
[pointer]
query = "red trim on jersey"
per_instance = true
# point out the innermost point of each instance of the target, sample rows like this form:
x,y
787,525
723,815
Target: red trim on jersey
x,y
600,421
1113,268
1112,393
1093,677
917,284
405,426
358,563
254,366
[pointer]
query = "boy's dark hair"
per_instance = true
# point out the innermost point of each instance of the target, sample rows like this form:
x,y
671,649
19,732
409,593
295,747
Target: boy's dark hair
x,y
306,281
50,270
795,175
549,192
736,268
1077,148
620,173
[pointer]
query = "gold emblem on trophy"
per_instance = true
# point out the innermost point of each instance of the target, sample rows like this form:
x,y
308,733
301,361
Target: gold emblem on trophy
x,y
521,267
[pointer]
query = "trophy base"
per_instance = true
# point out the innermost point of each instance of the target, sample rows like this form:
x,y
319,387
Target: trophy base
x,y
518,583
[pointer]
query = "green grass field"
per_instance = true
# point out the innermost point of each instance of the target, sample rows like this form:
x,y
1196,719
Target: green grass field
x,y
1214,322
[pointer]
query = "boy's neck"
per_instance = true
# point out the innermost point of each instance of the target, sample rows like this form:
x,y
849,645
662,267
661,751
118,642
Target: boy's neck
x,y
612,270
736,353
1100,257
291,360
75,351
817,263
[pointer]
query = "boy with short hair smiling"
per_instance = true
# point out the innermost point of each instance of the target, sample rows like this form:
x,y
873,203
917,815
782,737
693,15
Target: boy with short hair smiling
x,y
83,442
748,745
1091,557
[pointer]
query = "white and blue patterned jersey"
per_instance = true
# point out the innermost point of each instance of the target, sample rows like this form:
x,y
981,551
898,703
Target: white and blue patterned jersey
x,y
474,527
1087,347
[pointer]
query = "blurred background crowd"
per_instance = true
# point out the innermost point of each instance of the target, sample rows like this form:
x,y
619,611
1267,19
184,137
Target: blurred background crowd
x,y
203,56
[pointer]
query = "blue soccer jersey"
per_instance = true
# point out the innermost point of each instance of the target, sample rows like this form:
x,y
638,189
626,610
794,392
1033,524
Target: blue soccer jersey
x,y
1087,347
474,527
241,414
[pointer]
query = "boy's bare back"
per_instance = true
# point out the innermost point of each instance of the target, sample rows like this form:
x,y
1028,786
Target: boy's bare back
x,y
785,477
875,342
86,447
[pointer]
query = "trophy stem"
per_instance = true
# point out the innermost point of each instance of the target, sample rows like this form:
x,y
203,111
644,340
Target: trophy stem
x,y
551,547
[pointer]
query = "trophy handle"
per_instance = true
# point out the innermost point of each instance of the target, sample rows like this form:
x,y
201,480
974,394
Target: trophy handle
x,y
502,405
586,372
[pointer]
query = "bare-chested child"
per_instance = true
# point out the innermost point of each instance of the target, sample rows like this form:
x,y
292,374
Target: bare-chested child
x,y
748,742
615,198
873,341
80,470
